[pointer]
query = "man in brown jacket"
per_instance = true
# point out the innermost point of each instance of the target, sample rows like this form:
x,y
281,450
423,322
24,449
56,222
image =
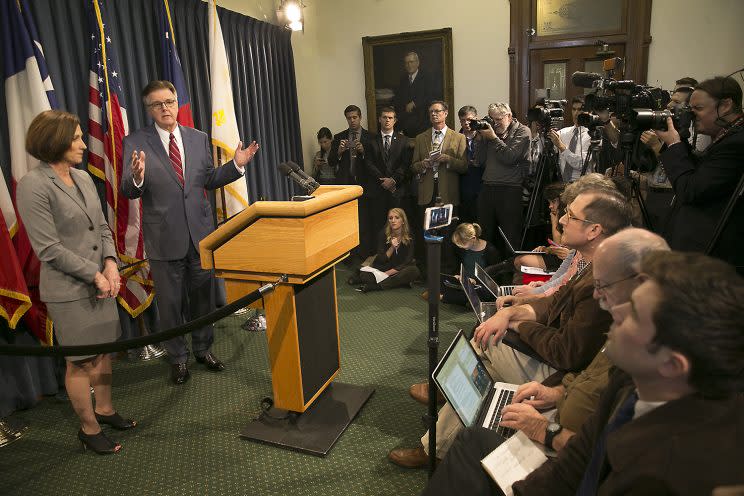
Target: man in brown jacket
x,y
672,420
566,329
439,159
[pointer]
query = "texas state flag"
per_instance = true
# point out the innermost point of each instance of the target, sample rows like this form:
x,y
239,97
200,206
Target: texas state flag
x,y
172,70
28,92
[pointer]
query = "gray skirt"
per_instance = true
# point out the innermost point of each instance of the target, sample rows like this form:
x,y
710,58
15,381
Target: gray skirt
x,y
86,321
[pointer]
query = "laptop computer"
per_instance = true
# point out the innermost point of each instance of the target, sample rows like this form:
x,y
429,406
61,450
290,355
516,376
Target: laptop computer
x,y
519,252
470,389
483,309
490,284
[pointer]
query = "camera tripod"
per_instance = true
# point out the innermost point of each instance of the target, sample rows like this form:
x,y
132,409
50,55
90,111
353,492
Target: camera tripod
x,y
593,156
725,217
629,145
547,164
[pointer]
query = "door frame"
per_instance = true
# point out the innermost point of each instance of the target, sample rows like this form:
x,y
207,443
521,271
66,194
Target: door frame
x,y
636,38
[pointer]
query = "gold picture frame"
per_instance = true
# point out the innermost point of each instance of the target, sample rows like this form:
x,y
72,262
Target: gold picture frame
x,y
386,78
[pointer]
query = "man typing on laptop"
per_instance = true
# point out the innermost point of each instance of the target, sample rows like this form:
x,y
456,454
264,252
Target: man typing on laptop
x,y
565,330
670,419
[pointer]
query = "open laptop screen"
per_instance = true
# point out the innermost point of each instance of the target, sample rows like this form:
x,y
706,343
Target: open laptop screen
x,y
463,379
487,281
471,293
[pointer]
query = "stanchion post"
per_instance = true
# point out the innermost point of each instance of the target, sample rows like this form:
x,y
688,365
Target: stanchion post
x,y
433,262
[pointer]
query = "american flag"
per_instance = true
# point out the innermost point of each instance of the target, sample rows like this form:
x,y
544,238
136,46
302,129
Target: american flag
x,y
107,126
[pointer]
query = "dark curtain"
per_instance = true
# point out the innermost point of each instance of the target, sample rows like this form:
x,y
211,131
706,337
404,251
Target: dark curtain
x,y
264,89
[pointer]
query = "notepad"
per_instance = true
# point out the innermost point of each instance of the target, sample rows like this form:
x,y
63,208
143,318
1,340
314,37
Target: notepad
x,y
379,275
512,461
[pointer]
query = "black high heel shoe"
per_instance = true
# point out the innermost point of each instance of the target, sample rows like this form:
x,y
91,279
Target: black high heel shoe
x,y
99,443
115,421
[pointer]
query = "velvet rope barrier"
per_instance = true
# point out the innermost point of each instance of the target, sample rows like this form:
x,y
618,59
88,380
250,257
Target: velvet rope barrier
x,y
101,348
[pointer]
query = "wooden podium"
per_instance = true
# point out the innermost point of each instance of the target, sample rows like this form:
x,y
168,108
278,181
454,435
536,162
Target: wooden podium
x,y
302,240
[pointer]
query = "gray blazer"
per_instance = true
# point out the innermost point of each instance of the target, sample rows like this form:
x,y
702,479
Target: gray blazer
x,y
173,215
71,239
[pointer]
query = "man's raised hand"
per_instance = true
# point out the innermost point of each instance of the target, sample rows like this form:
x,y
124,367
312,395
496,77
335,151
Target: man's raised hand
x,y
138,166
244,155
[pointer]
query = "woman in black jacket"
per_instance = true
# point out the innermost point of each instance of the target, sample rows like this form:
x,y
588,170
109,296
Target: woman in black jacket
x,y
393,265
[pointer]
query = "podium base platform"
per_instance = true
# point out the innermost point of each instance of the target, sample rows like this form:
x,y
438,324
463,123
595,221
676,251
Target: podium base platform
x,y
317,429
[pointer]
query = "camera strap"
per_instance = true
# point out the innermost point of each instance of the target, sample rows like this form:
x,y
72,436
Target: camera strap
x,y
734,126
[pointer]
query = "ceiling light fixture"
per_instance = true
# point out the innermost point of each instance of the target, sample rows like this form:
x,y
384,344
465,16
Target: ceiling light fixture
x,y
290,15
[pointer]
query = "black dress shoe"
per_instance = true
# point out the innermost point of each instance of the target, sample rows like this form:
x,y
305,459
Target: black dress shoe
x,y
211,362
179,373
98,443
116,421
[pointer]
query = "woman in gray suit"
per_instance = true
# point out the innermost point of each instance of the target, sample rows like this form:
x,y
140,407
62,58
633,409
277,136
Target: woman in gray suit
x,y
79,278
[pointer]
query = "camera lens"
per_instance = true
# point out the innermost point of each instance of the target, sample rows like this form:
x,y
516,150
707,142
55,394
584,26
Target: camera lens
x,y
644,119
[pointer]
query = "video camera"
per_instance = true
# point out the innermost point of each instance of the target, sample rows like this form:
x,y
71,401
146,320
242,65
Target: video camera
x,y
549,116
619,97
589,121
637,107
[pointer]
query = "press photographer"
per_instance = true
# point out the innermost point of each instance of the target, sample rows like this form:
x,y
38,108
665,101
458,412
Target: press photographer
x,y
660,193
634,108
506,157
704,185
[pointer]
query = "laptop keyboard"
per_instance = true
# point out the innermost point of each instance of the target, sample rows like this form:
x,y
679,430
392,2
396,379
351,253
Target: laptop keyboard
x,y
505,397
506,290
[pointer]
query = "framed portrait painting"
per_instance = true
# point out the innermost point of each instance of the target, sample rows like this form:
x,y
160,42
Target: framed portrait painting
x,y
407,71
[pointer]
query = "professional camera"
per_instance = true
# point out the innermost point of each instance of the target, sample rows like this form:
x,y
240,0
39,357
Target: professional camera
x,y
549,116
681,114
480,124
589,121
619,97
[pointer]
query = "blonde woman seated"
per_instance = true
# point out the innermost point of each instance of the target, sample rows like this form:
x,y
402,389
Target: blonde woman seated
x,y
393,265
471,250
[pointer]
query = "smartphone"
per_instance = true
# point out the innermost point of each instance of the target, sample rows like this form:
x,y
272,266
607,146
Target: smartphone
x,y
435,217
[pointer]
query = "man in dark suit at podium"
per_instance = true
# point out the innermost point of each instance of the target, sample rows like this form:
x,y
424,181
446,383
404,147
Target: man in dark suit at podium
x,y
416,90
176,216
385,163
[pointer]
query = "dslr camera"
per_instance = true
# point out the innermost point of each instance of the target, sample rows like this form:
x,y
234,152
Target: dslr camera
x,y
480,124
549,116
681,114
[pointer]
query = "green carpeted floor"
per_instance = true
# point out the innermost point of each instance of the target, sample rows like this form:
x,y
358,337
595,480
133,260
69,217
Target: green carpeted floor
x,y
187,441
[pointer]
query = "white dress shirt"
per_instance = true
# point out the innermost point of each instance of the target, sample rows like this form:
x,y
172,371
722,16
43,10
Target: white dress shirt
x,y
575,161
165,140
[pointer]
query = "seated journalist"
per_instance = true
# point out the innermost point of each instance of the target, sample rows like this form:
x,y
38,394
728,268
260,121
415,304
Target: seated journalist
x,y
671,420
565,330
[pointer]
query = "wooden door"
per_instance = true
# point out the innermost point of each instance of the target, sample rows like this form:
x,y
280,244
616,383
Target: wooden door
x,y
567,32
551,68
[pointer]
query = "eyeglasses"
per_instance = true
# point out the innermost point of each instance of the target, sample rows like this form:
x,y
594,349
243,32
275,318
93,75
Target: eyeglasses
x,y
156,105
600,287
436,111
570,216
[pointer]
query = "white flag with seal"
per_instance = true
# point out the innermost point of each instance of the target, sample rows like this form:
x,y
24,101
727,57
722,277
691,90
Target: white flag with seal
x,y
225,136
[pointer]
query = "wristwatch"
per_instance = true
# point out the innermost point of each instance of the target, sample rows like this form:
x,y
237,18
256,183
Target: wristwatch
x,y
552,430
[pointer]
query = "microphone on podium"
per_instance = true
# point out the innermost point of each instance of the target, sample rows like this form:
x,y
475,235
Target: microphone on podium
x,y
296,174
